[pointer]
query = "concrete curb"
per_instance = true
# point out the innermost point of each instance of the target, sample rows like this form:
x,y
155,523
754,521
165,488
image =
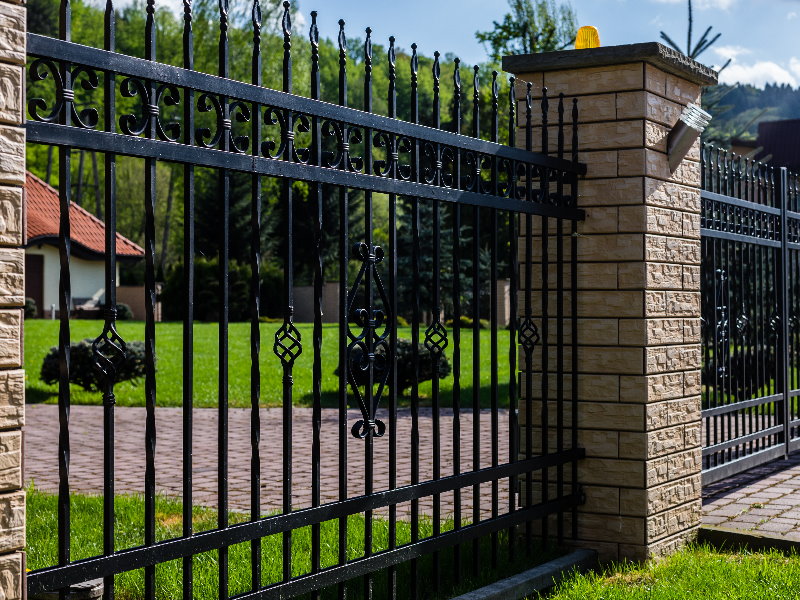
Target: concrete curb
x,y
734,539
536,579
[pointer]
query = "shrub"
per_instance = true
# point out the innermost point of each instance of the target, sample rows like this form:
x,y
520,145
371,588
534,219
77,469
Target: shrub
x,y
83,371
405,365
30,308
467,323
124,312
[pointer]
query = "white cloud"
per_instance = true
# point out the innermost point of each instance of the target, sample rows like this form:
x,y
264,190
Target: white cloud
x,y
732,52
760,73
703,4
791,16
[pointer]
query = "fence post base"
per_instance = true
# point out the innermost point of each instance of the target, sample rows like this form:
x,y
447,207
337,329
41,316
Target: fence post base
x,y
639,299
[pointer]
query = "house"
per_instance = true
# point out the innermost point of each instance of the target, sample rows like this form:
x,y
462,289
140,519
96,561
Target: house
x,y
87,261
776,144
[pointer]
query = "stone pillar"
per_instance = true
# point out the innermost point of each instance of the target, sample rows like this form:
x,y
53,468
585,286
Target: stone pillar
x,y
12,297
639,292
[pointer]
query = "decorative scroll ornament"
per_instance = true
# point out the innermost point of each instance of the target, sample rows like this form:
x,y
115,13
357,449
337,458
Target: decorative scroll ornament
x,y
528,334
288,346
436,338
110,351
368,354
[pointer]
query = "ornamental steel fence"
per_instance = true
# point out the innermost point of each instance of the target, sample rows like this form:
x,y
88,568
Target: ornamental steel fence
x,y
750,232
484,201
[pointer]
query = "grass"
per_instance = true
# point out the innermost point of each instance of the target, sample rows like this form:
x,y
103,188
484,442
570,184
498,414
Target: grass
x,y
695,573
41,335
87,532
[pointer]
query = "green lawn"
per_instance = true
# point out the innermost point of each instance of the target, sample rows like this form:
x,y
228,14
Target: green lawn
x,y
696,573
41,335
87,532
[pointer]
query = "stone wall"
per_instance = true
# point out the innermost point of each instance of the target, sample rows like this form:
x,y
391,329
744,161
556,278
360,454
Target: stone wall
x,y
12,297
639,293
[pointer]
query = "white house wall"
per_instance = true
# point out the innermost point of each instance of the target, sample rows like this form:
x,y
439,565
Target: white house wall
x,y
87,276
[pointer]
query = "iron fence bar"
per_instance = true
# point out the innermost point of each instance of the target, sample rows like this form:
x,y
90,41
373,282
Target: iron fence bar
x,y
739,405
560,324
476,324
528,331
344,317
716,473
513,245
64,302
187,567
369,390
316,195
739,440
46,47
783,291
150,307
393,379
204,541
456,291
109,338
573,311
48,133
255,309
493,319
544,196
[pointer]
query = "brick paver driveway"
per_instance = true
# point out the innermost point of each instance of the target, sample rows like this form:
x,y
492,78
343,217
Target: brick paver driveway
x,y
86,466
765,499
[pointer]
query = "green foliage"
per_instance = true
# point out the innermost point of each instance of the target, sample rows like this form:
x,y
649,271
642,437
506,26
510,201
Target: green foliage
x,y
124,312
30,308
703,44
532,26
467,323
82,369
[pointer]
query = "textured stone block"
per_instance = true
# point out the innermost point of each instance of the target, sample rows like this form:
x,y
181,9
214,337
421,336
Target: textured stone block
x,y
676,466
602,500
682,91
609,136
655,304
608,527
673,412
651,388
611,247
595,80
612,416
655,80
12,277
12,33
660,498
672,250
683,304
649,332
11,94
10,217
675,520
10,460
11,576
646,105
691,383
12,521
651,444
12,399
10,338
611,472
671,195
600,163
591,109
655,136
650,163
662,359
600,332
600,219
691,278
610,304
651,276
611,192
12,154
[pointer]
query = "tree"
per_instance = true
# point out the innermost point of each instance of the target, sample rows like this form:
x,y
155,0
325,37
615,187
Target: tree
x,y
532,26
703,44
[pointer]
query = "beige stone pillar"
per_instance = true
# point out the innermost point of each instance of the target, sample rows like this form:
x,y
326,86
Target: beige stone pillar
x,y
639,292
12,297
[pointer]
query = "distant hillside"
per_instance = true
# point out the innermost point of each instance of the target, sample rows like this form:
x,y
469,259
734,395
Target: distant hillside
x,y
738,109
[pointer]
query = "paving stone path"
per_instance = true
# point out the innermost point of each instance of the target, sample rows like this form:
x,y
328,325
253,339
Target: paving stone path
x,y
86,462
765,499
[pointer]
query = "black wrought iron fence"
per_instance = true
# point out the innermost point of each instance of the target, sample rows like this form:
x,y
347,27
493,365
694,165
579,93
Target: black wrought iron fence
x,y
462,183
750,302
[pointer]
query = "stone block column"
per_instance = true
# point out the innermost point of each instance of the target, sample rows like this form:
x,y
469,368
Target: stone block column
x,y
12,297
639,292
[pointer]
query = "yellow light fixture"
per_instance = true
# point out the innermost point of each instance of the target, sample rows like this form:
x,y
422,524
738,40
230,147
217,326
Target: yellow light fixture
x,y
588,37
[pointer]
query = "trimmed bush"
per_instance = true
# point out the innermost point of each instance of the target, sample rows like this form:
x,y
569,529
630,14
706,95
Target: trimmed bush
x,y
467,323
124,312
405,365
30,308
83,371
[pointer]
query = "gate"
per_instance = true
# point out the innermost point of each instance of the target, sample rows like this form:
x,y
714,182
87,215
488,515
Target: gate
x,y
750,305
481,201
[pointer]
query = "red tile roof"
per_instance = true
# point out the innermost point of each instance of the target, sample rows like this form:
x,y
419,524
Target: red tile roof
x,y
86,230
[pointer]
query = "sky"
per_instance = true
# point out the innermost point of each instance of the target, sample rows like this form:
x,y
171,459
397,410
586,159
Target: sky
x,y
759,35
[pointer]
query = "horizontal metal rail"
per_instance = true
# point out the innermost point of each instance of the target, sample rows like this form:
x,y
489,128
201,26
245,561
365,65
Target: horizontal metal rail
x,y
122,64
136,558
736,406
725,470
744,439
99,141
